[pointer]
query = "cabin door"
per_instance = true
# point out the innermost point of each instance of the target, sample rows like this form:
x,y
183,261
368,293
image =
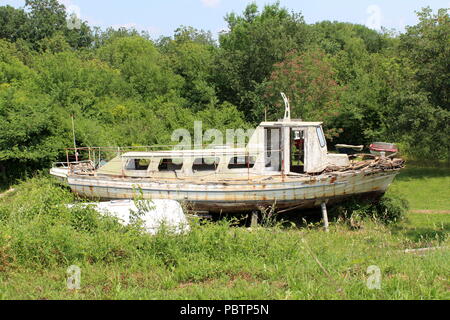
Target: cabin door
x,y
297,145
273,149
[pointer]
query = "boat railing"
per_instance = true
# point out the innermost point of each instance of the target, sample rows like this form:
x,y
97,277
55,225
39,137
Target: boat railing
x,y
82,167
90,159
61,165
67,165
98,155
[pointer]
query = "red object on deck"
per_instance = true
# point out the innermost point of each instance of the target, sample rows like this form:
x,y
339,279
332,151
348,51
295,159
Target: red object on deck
x,y
383,147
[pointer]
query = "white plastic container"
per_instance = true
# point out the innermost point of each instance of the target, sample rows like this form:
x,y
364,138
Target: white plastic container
x,y
154,214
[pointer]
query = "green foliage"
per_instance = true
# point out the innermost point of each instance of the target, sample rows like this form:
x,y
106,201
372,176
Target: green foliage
x,y
427,46
43,20
42,229
125,89
222,117
30,128
12,23
191,57
141,65
336,36
46,18
255,42
308,80
11,68
389,209
185,34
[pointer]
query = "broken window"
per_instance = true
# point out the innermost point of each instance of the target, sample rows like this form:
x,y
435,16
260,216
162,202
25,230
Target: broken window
x,y
205,164
170,165
242,163
138,164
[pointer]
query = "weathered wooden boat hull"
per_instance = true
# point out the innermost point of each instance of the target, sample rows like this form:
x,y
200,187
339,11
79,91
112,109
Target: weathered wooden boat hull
x,y
291,192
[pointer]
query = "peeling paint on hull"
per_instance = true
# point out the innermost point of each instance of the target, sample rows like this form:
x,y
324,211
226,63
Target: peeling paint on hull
x,y
239,196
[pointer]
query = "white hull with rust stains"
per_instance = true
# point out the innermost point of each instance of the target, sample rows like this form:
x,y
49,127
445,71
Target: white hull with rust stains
x,y
224,179
239,195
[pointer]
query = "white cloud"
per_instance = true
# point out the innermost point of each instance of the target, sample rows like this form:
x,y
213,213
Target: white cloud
x,y
211,3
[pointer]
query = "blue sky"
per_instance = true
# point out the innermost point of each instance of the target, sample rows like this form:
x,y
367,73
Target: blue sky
x,y
161,17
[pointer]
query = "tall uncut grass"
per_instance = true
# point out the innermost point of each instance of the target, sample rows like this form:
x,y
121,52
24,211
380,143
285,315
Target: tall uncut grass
x,y
40,237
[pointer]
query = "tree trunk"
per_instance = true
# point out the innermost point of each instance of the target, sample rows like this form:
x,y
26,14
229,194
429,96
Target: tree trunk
x,y
2,173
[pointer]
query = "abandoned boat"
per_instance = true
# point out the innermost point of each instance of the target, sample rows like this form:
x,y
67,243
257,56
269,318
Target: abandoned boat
x,y
285,163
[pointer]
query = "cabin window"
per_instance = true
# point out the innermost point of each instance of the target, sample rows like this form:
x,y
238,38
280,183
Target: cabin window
x,y
321,136
205,164
273,142
170,165
242,163
138,164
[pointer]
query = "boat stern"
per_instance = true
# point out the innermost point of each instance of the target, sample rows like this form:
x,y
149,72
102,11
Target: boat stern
x,y
60,171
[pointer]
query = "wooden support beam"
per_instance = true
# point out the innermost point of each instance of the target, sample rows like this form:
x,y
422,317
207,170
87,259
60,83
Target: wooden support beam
x,y
254,223
325,217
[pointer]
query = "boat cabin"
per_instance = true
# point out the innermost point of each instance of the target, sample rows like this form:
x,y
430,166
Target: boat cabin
x,y
284,147
300,147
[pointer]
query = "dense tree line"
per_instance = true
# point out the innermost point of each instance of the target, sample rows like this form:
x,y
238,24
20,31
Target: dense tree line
x,y
124,88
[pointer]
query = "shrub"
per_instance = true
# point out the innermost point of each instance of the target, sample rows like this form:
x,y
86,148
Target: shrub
x,y
388,209
40,229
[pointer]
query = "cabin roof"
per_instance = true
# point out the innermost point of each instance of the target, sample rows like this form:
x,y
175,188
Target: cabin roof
x,y
291,123
184,153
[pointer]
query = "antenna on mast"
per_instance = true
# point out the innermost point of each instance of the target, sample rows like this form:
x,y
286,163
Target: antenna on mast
x,y
287,113
74,139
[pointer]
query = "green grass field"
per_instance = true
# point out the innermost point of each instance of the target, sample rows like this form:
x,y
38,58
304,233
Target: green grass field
x,y
424,188
39,239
